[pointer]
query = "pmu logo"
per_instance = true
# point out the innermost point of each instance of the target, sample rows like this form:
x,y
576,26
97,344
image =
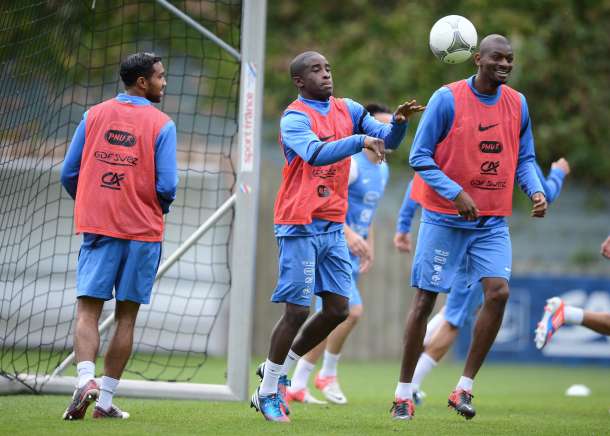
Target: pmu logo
x,y
490,147
323,191
119,137
112,180
490,167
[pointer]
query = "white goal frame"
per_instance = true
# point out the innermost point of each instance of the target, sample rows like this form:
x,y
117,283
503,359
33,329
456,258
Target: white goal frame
x,y
244,202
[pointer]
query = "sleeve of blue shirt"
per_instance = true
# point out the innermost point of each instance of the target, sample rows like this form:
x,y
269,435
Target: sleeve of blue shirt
x,y
71,167
299,139
407,210
527,177
392,134
552,184
165,166
433,127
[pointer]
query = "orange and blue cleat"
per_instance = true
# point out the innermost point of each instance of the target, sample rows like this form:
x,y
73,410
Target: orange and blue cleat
x,y
461,401
552,320
269,406
402,409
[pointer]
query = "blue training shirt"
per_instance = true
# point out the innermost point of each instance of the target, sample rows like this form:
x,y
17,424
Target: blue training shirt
x,y
165,157
434,126
552,188
298,139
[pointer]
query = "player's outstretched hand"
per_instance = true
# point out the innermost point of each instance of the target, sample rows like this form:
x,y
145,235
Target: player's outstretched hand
x,y
405,110
377,146
606,248
540,205
466,207
402,241
562,164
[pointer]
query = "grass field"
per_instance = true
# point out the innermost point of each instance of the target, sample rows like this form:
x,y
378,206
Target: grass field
x,y
512,400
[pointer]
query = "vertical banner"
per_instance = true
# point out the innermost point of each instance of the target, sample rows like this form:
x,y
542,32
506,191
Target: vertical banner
x,y
247,119
571,344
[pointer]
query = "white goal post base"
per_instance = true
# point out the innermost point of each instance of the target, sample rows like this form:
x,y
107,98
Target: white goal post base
x,y
127,388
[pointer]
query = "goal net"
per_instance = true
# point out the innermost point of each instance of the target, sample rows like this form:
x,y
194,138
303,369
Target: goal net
x,y
57,59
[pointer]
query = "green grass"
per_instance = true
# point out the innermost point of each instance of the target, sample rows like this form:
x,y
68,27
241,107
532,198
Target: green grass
x,y
511,400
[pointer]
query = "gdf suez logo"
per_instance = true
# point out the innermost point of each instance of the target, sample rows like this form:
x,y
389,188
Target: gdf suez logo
x,y
112,180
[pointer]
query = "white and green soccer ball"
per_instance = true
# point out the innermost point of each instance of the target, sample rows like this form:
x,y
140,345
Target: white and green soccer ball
x,y
453,39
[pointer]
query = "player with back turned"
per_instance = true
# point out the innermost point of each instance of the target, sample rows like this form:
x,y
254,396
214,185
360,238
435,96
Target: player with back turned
x,y
121,170
473,139
318,134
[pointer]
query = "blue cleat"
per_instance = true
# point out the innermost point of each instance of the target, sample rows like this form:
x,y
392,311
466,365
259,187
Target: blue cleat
x,y
269,406
282,385
552,320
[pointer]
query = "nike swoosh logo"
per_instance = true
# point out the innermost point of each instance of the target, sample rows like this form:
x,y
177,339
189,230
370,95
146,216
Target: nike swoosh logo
x,y
326,138
483,128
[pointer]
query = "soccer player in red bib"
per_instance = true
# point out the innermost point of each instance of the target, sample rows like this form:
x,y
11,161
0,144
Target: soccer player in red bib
x,y
318,134
473,139
121,170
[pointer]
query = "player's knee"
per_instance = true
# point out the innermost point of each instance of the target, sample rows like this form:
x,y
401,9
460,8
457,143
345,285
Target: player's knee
x,y
337,313
355,313
423,303
497,292
296,315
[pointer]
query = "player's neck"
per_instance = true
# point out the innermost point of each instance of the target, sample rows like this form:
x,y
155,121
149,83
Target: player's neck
x,y
135,92
308,96
484,86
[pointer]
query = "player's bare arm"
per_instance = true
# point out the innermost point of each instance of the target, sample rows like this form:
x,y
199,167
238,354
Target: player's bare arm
x,y
540,205
466,207
405,110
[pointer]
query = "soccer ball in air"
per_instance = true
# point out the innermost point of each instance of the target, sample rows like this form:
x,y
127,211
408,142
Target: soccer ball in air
x,y
453,39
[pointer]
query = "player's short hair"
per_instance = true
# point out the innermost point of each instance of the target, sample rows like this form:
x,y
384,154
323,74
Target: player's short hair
x,y
377,108
299,63
138,65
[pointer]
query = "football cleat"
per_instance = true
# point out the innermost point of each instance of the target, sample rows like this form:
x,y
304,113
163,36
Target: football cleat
x,y
114,412
418,397
552,320
461,401
81,399
329,386
282,385
270,406
402,410
302,396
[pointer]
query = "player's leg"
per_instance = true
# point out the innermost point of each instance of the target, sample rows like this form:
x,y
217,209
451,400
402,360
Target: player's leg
x,y
295,286
489,258
557,313
96,270
438,255
133,287
298,391
327,379
116,358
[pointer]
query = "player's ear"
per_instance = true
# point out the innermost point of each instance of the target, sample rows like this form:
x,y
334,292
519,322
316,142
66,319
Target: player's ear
x,y
477,59
142,83
298,81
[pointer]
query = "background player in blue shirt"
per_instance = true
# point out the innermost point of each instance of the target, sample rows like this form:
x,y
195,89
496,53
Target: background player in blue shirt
x,y
367,182
462,302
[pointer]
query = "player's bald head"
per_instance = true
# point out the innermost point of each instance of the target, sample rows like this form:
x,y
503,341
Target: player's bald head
x,y
492,42
301,61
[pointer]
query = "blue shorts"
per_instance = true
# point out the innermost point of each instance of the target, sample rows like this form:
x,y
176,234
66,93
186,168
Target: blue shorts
x,y
127,266
354,297
311,265
463,301
441,251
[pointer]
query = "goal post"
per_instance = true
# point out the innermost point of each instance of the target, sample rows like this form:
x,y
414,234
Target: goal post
x,y
197,255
